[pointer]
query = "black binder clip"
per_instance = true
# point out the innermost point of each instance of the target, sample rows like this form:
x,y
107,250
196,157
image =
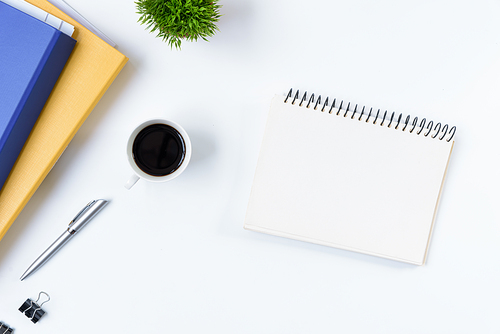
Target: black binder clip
x,y
32,309
4,329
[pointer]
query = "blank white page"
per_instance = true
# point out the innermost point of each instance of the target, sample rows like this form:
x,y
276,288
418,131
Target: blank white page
x,y
337,181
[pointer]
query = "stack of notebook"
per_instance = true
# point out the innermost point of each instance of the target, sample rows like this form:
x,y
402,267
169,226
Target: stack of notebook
x,y
60,76
34,49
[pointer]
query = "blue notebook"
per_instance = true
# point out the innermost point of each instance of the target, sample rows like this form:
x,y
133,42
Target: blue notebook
x,y
32,56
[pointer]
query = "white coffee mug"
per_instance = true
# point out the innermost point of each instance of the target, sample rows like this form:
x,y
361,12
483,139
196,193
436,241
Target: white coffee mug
x,y
140,173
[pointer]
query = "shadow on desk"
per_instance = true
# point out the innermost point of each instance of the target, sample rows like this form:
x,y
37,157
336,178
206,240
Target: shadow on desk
x,y
334,253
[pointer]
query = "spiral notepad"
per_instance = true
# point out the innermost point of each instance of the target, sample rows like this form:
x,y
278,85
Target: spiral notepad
x,y
352,178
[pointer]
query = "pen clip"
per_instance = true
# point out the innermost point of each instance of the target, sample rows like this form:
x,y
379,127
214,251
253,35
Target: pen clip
x,y
81,212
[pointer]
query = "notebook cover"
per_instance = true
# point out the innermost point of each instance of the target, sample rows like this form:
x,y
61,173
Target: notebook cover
x,y
339,181
90,70
32,55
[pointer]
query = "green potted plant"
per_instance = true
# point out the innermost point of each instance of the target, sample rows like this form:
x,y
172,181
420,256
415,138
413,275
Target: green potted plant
x,y
175,20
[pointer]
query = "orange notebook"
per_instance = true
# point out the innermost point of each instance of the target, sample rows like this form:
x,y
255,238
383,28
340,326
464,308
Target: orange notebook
x,y
89,72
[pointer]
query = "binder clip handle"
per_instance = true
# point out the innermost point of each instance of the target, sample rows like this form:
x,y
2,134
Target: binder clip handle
x,y
39,295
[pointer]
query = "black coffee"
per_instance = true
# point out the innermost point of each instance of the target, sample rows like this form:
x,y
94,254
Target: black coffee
x,y
158,149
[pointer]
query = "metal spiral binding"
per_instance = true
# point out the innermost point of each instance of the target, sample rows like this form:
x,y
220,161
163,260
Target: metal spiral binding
x,y
438,130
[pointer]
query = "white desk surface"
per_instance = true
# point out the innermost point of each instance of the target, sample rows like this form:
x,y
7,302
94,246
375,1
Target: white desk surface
x,y
174,257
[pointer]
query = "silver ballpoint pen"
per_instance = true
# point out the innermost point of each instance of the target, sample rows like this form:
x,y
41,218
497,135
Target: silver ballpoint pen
x,y
80,220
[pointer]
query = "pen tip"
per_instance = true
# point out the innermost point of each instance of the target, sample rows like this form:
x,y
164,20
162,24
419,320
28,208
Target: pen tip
x,y
26,274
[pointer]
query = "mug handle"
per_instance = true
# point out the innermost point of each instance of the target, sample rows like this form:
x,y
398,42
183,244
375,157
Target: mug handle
x,y
131,181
